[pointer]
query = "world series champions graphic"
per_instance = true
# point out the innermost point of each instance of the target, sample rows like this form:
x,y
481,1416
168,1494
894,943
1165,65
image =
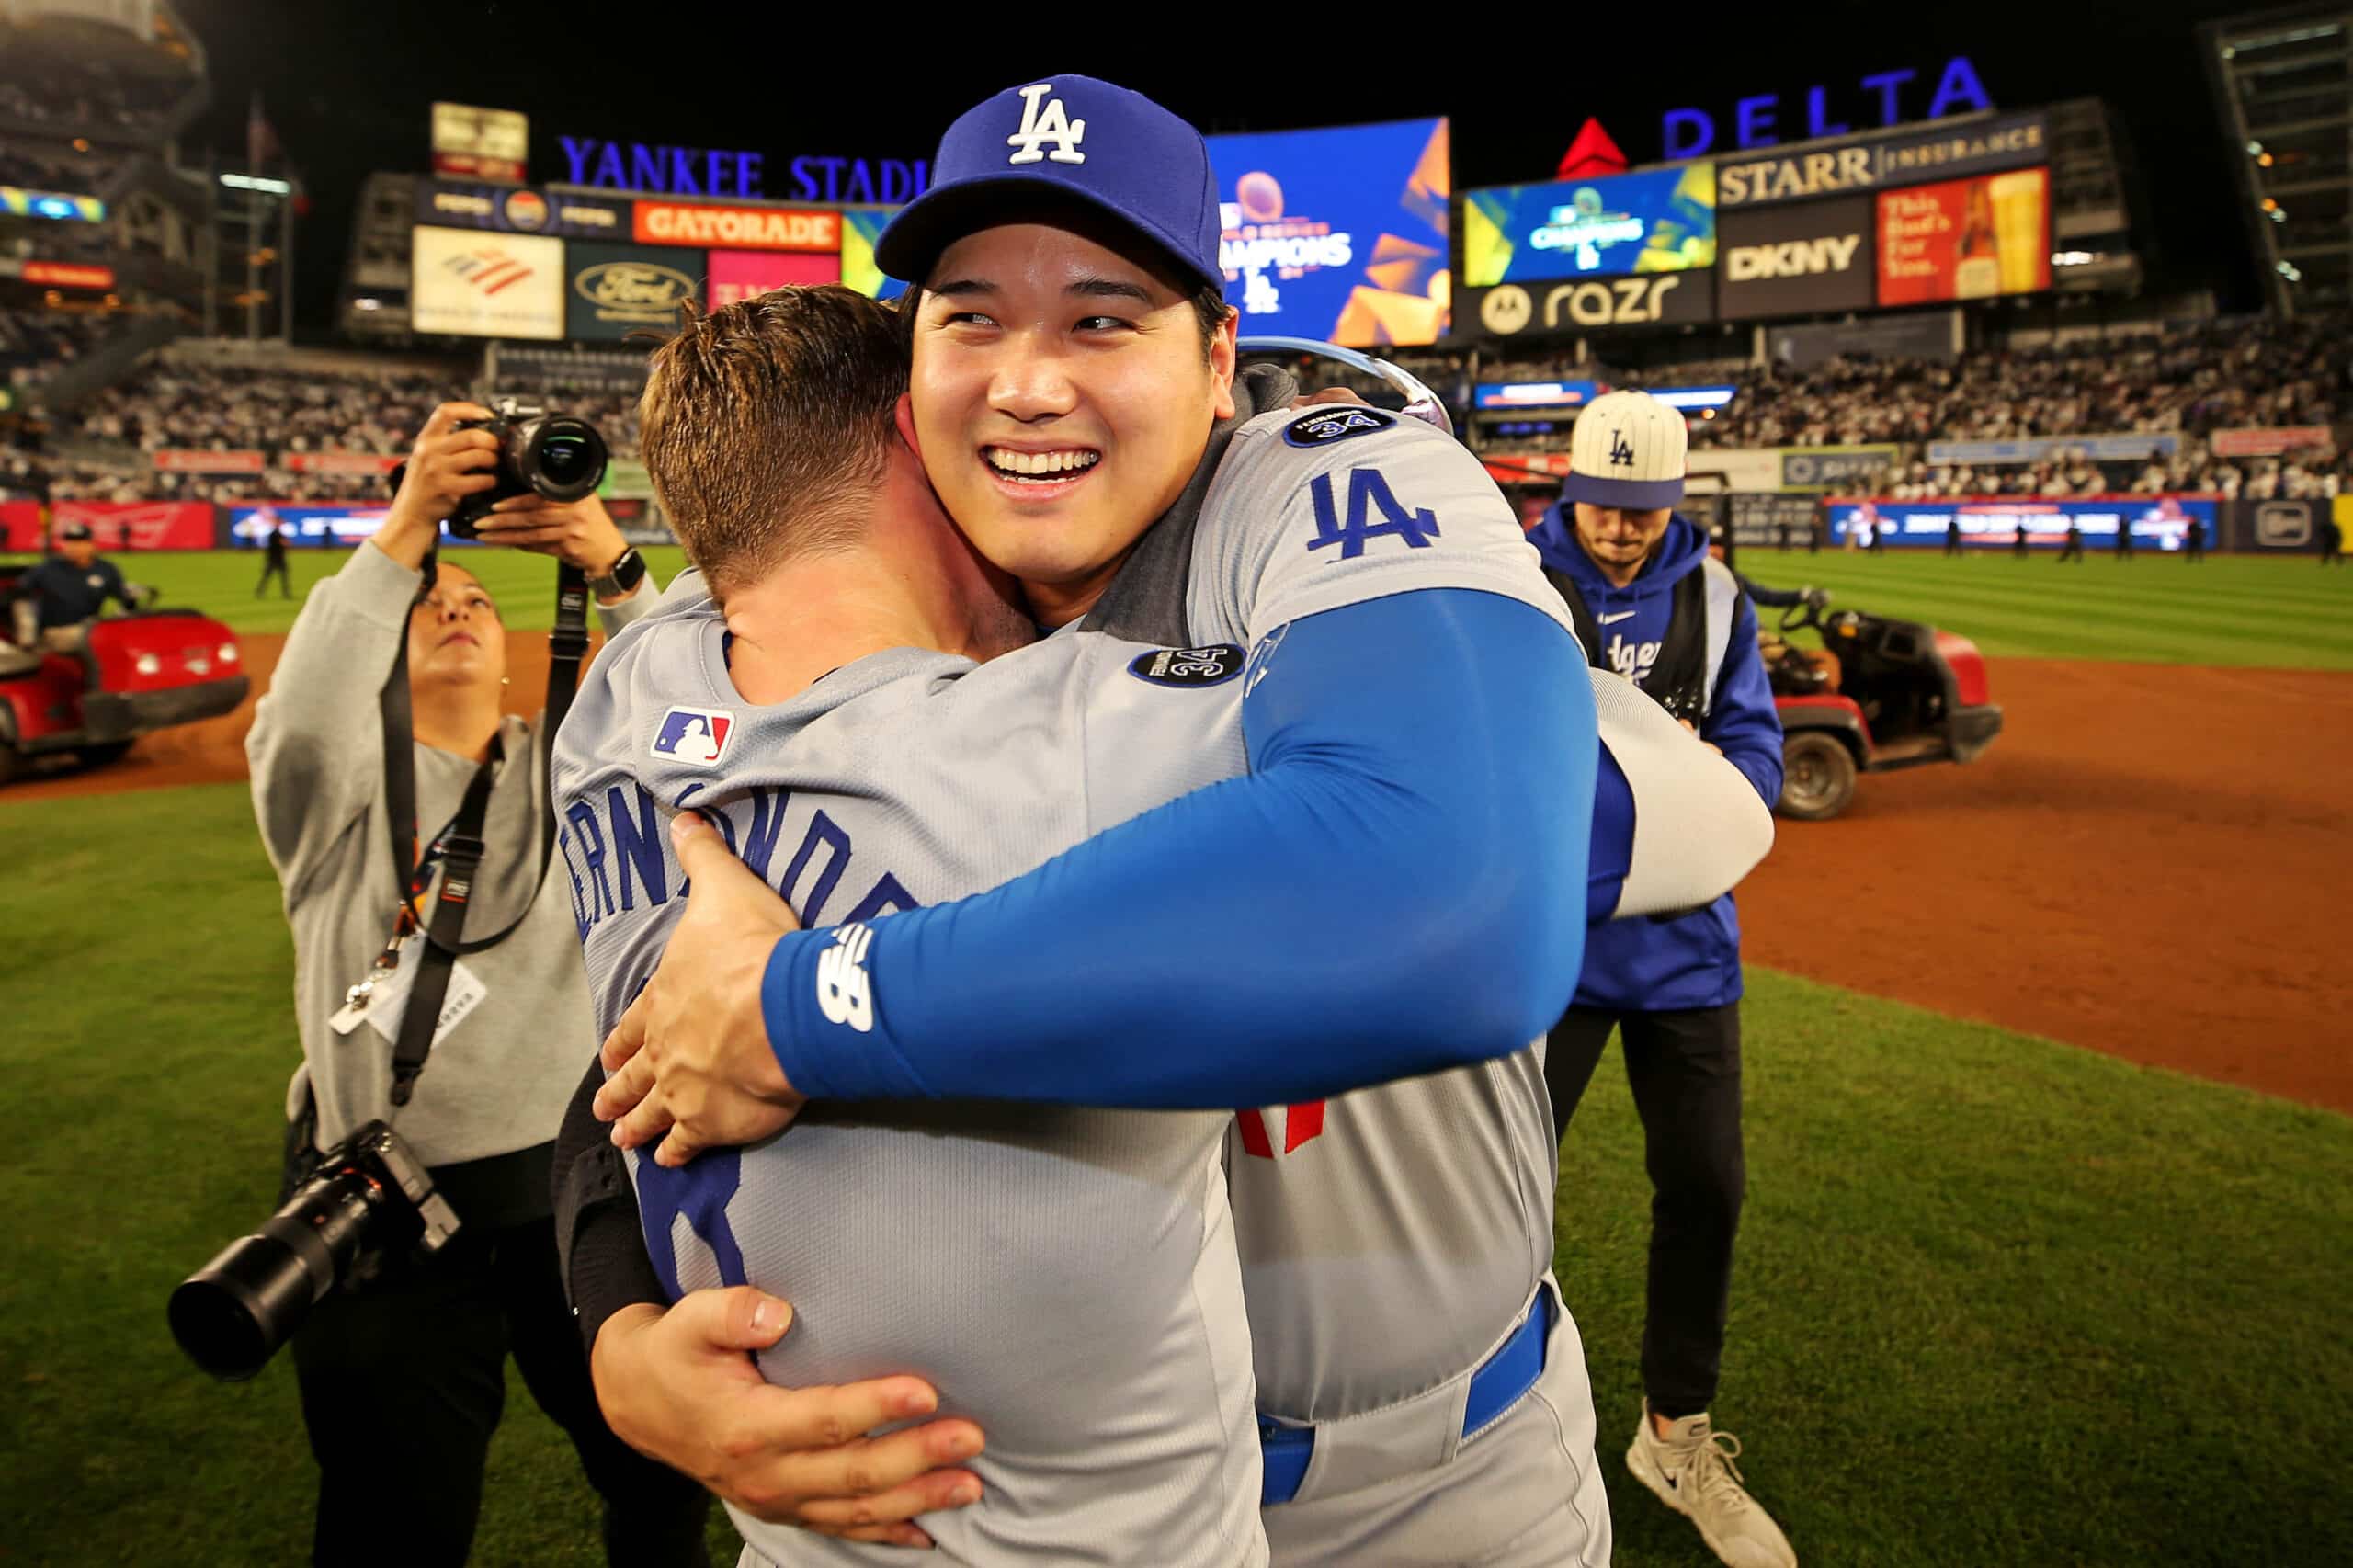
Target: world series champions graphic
x,y
1340,234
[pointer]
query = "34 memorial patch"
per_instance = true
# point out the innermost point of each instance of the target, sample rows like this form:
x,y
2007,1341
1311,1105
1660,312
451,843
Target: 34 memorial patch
x,y
1213,666
1335,423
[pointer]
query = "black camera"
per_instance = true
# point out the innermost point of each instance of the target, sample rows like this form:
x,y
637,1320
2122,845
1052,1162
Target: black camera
x,y
367,1199
557,455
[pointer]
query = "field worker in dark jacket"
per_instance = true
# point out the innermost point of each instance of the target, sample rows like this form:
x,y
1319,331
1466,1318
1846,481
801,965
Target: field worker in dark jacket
x,y
56,601
1650,604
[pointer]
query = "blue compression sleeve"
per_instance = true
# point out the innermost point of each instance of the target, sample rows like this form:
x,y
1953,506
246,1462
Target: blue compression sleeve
x,y
1398,886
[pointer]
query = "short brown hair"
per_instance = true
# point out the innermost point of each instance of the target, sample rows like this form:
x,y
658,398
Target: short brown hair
x,y
765,424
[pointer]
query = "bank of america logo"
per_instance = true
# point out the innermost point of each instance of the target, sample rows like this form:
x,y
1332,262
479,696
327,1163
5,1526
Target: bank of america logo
x,y
489,269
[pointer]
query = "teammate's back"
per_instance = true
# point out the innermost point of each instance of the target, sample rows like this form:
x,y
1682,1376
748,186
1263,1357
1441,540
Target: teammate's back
x,y
1066,1276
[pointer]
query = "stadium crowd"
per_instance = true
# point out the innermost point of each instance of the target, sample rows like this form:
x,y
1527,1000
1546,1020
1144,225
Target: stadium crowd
x,y
2186,383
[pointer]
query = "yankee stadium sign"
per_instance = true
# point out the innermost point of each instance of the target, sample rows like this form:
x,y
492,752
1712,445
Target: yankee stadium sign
x,y
704,171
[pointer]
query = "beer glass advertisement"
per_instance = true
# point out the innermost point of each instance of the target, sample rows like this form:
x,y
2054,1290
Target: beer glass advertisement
x,y
1965,239
1338,234
1611,226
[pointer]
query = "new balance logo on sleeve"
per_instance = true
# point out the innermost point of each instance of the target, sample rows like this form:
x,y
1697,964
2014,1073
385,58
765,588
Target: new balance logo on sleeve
x,y
844,993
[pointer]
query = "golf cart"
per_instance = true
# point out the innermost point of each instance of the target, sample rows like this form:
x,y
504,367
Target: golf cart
x,y
155,669
1890,694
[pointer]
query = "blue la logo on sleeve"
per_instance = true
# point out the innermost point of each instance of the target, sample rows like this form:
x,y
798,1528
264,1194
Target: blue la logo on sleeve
x,y
1337,422
1374,512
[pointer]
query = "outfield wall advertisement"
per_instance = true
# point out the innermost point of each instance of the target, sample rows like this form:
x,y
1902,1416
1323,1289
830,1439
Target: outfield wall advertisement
x,y
118,524
1337,234
2158,522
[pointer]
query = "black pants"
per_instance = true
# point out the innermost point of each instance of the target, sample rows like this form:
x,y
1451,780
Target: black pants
x,y
2074,552
285,583
403,1385
1685,1070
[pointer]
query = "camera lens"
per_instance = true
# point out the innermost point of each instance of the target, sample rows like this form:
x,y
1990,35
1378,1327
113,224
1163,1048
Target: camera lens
x,y
563,458
232,1315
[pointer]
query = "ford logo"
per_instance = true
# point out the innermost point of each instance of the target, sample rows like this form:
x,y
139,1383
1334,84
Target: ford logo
x,y
637,288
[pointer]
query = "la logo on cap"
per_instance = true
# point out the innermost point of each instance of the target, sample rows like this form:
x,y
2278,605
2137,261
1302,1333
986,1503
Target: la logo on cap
x,y
1054,125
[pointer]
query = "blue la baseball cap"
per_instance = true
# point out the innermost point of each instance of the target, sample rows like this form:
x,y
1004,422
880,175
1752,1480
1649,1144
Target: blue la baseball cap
x,y
1070,138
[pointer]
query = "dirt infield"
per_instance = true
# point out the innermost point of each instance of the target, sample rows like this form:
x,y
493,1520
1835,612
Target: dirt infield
x,y
2149,861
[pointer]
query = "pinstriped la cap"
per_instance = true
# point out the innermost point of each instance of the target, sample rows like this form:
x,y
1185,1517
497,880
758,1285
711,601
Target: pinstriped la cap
x,y
1630,451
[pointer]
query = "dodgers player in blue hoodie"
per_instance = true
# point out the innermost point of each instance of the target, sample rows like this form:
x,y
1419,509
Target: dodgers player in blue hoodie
x,y
1650,604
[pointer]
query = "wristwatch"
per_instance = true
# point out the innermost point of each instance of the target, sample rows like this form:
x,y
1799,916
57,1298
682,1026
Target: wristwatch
x,y
624,577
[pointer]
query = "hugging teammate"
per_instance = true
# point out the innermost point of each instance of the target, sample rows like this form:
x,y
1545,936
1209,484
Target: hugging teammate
x,y
1382,873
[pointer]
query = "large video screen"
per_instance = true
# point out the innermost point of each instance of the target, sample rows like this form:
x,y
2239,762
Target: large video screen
x,y
1338,234
1965,239
2162,522
1661,221
861,227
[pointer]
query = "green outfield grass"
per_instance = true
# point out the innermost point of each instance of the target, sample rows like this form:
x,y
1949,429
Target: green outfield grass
x,y
1999,1300
2256,610
2273,612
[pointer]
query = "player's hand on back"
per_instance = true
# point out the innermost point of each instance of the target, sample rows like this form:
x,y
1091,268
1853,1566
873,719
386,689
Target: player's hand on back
x,y
690,1060
680,1387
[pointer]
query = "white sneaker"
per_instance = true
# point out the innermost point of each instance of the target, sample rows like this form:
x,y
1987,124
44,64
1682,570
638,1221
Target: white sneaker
x,y
1693,1472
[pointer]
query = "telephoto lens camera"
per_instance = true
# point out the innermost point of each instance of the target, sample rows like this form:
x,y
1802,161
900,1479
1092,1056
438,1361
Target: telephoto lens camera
x,y
555,455
368,1200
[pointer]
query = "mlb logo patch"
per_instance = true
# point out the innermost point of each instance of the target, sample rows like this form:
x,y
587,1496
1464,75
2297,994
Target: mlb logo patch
x,y
696,735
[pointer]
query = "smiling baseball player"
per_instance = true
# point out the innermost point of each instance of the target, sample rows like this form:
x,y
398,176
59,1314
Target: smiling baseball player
x,y
1354,895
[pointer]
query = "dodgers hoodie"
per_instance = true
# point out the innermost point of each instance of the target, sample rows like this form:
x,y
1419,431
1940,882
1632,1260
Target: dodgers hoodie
x,y
1693,961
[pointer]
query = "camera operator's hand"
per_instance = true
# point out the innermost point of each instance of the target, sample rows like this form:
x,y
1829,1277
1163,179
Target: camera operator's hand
x,y
691,1057
578,533
445,466
679,1387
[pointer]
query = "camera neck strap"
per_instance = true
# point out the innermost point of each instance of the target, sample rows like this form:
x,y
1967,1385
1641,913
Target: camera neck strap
x,y
460,846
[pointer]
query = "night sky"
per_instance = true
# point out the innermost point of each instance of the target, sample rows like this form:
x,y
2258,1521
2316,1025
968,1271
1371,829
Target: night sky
x,y
348,87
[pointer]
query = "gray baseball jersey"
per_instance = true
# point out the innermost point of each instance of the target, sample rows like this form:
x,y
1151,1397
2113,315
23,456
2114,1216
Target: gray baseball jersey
x,y
1390,1245
1393,1237
1067,1276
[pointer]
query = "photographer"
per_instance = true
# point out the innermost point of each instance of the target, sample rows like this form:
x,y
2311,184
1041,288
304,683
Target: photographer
x,y
401,1375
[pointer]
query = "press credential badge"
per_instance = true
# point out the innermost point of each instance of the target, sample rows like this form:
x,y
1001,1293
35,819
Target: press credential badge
x,y
387,1001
